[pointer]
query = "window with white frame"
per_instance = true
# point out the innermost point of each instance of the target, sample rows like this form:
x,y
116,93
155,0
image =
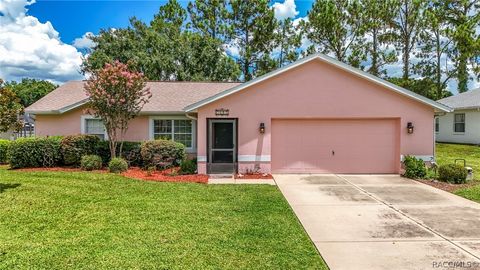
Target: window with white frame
x,y
459,122
437,124
95,127
176,130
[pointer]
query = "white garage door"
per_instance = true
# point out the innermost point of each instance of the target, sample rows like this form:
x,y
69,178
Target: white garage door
x,y
335,146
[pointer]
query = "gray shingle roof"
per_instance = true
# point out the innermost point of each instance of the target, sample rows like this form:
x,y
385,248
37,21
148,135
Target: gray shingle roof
x,y
466,100
166,96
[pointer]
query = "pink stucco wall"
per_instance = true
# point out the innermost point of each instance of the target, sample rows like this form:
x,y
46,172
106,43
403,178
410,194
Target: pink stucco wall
x,y
316,90
69,123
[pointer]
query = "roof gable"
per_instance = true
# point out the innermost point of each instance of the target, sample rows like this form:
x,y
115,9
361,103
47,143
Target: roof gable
x,y
321,57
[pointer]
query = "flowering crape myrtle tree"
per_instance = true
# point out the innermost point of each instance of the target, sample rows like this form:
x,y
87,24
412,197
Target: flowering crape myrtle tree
x,y
116,95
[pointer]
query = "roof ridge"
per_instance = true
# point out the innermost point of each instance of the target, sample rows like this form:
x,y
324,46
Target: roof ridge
x,y
164,81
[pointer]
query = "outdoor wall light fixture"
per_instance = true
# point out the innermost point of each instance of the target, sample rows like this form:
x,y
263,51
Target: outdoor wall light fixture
x,y
262,128
409,127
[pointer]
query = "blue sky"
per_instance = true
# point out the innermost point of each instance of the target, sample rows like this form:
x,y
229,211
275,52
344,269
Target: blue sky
x,y
46,39
74,18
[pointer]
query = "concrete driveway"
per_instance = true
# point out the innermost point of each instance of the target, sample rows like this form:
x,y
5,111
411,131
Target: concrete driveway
x,y
384,222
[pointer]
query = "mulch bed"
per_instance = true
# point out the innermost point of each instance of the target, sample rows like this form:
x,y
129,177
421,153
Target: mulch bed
x,y
447,186
254,176
165,176
168,175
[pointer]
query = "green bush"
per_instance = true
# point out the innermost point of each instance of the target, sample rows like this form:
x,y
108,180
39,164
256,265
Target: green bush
x,y
91,162
74,147
414,168
4,145
452,173
35,152
188,166
130,152
162,153
117,165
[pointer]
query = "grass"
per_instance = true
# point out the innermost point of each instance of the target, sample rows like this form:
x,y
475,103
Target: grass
x,y
471,193
58,220
447,153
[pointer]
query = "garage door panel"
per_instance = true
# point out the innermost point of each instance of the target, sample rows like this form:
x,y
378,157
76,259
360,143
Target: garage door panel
x,y
334,146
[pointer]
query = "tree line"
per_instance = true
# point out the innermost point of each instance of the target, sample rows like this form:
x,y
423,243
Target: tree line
x,y
435,42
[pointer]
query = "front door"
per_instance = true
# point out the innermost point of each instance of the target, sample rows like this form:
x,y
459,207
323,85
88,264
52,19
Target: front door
x,y
222,156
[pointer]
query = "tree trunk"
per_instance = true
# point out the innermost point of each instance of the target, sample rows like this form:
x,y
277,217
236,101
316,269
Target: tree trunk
x,y
462,74
438,75
374,70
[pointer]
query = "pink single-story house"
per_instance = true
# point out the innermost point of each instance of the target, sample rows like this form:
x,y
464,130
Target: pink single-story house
x,y
316,115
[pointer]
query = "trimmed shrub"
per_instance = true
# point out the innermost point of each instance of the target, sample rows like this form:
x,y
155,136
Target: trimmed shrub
x,y
117,165
414,168
162,153
4,145
130,152
35,152
74,147
188,166
91,162
452,173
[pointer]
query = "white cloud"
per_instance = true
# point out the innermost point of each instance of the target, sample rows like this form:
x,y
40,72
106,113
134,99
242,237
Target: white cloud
x,y
84,42
285,10
29,48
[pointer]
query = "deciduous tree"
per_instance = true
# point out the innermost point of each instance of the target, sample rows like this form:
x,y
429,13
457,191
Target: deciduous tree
x,y
10,109
30,90
116,95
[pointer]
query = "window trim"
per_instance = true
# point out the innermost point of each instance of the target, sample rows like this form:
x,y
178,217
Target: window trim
x,y
437,124
464,123
83,126
174,117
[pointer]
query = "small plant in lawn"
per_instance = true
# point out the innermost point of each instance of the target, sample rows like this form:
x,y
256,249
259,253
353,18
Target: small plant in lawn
x,y
414,168
91,162
452,173
188,166
117,165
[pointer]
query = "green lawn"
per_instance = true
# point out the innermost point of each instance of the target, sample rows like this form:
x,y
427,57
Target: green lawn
x,y
54,220
447,153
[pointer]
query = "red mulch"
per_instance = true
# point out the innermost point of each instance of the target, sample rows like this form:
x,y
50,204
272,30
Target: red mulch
x,y
254,176
136,173
447,186
164,176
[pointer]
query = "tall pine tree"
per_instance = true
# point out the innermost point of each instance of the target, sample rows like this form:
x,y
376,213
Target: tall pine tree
x,y
252,25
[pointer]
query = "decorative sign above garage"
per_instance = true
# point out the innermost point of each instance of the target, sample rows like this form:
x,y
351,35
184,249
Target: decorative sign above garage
x,y
222,112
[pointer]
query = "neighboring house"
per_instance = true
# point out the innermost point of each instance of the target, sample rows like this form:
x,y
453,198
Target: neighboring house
x,y
27,130
463,124
315,115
